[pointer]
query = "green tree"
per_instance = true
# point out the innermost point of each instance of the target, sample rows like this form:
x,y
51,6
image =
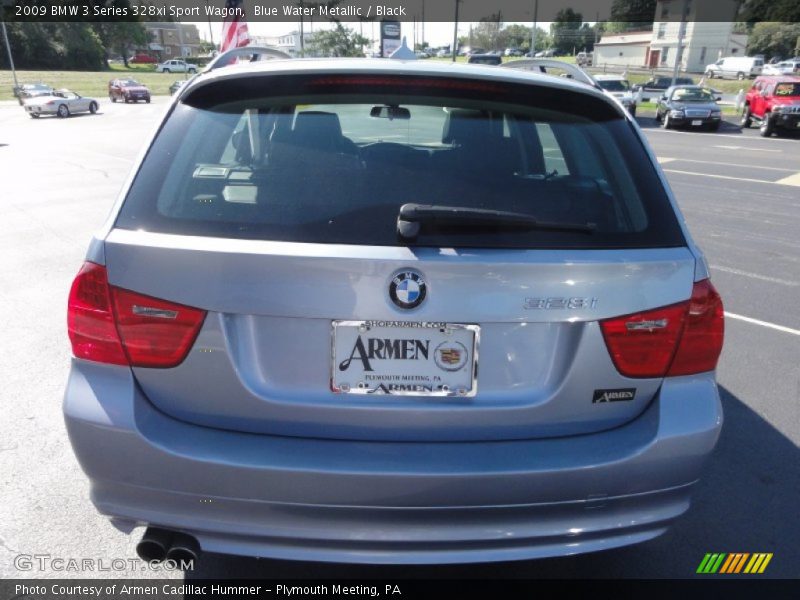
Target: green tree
x,y
340,41
120,37
486,33
632,15
774,39
565,30
786,11
68,46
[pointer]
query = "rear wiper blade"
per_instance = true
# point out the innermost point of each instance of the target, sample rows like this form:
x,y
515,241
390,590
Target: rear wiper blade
x,y
413,216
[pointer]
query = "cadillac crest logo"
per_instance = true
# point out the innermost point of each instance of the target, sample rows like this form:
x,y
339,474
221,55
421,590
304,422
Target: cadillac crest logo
x,y
408,289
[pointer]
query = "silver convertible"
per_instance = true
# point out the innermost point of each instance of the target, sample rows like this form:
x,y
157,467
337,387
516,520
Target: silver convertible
x,y
62,103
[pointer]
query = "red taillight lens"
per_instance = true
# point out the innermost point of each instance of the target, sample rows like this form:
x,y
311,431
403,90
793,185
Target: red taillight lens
x,y
680,339
90,321
155,333
643,344
703,333
117,326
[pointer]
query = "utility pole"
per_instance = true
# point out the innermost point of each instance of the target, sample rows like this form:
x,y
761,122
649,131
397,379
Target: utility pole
x,y
210,33
10,58
533,29
179,26
679,50
455,33
423,22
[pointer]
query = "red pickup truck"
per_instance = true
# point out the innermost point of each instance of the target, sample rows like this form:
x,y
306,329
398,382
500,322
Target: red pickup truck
x,y
774,103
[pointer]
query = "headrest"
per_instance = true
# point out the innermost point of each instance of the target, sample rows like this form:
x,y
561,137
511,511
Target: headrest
x,y
464,126
317,128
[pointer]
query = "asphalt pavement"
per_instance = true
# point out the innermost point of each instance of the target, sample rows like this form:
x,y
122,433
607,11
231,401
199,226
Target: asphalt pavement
x,y
739,193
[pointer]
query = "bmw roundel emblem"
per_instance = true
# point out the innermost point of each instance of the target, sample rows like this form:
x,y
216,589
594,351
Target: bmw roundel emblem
x,y
408,289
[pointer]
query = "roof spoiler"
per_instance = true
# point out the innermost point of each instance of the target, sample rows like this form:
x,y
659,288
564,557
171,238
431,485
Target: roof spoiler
x,y
541,65
252,53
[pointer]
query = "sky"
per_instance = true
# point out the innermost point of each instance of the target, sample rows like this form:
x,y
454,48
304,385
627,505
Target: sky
x,y
436,33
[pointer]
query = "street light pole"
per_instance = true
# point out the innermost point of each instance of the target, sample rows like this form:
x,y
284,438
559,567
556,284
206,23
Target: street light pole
x,y
533,29
10,58
455,33
210,33
679,49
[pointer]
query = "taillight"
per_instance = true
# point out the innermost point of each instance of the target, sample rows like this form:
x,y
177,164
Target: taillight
x,y
703,333
90,321
680,339
113,325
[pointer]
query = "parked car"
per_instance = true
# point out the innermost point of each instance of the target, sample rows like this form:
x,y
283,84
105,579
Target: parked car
x,y
546,53
735,67
485,59
513,52
176,66
145,59
584,59
786,67
61,103
773,103
128,90
176,85
31,90
689,105
275,352
660,84
618,87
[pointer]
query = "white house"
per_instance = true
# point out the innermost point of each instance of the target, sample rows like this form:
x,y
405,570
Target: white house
x,y
288,42
704,41
623,50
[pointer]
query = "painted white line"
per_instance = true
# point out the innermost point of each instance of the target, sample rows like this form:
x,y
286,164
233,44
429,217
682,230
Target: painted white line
x,y
721,136
748,149
791,180
762,323
755,276
718,176
664,159
726,164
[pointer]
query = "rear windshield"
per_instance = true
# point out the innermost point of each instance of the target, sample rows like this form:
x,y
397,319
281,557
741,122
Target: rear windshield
x,y
331,159
614,85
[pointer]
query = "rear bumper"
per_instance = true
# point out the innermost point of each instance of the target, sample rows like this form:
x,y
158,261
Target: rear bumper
x,y
386,502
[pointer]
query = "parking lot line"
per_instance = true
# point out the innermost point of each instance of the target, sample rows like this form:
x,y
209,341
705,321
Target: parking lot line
x,y
755,276
722,176
790,180
738,137
726,164
749,149
781,328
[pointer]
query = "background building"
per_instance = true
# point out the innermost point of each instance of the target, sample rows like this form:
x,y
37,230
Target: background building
x,y
288,42
167,42
704,42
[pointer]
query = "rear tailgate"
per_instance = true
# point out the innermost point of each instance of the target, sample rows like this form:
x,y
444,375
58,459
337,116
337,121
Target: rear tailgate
x,y
263,361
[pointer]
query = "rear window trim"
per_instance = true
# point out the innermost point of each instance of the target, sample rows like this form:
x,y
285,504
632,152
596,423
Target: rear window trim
x,y
678,238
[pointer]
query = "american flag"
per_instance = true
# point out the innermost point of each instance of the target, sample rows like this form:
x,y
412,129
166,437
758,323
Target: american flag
x,y
234,28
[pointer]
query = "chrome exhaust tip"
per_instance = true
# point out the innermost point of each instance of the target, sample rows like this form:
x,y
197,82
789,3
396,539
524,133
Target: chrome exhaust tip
x,y
184,549
154,544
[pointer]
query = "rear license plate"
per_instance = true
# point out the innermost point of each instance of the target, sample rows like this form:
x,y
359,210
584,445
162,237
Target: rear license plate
x,y
404,358
696,123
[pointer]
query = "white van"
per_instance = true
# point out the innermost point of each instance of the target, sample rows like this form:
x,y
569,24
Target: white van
x,y
739,67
